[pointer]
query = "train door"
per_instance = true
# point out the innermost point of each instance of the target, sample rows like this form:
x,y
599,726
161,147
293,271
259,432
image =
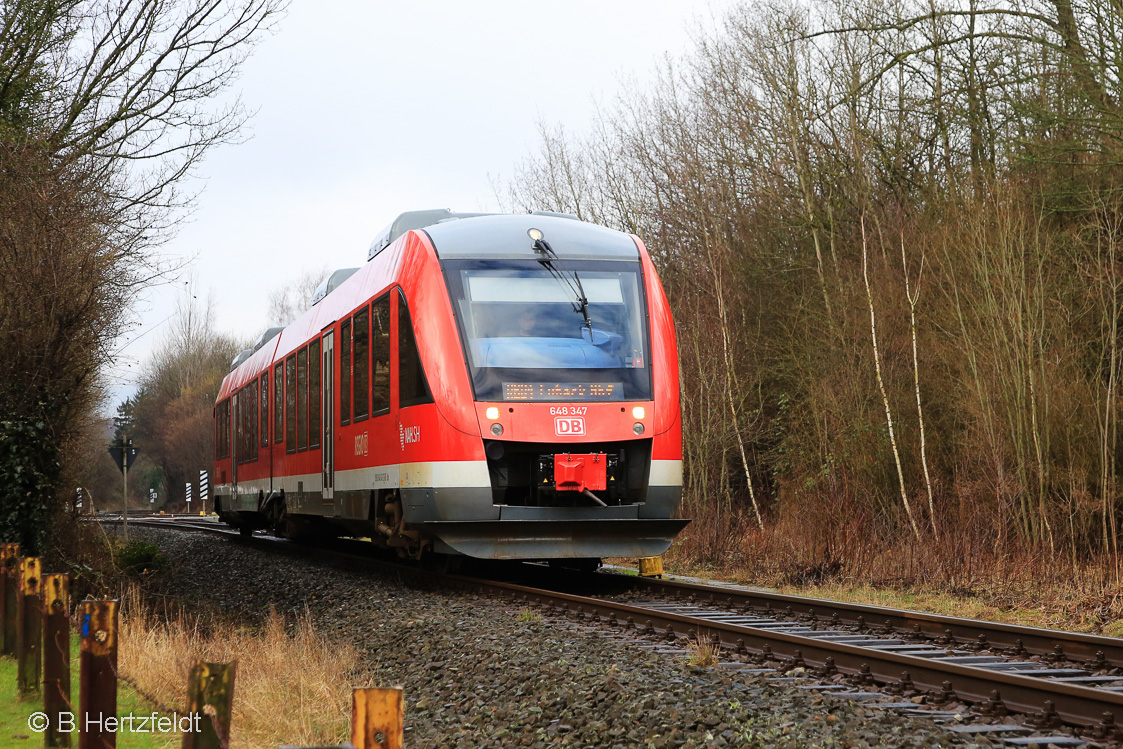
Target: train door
x,y
327,412
236,447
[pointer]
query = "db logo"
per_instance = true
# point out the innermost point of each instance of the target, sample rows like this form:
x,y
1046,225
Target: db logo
x,y
569,426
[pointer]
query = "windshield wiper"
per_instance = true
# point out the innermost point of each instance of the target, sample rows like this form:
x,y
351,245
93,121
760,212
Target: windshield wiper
x,y
582,302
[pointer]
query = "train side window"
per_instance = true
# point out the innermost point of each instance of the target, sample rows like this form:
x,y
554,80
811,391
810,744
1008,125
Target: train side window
x,y
278,403
251,425
222,436
361,331
413,390
239,452
265,409
290,404
345,372
380,355
314,394
302,399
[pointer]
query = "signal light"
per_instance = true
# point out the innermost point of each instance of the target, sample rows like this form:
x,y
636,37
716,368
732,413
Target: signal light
x,y
638,412
492,412
534,234
637,428
497,429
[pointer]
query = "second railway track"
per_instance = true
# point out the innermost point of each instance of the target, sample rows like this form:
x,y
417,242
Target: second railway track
x,y
1053,677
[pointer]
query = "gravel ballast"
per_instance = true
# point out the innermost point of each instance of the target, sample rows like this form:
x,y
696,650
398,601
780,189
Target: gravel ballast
x,y
484,672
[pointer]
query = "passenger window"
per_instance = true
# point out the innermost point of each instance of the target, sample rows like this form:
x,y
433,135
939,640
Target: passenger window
x,y
222,438
361,332
380,355
345,372
237,430
302,399
278,403
314,394
251,426
412,388
265,410
290,404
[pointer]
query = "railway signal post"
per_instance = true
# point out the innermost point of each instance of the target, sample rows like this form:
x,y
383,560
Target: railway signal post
x,y
125,456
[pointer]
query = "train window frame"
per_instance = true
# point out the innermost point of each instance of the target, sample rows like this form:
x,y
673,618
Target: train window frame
x,y
405,320
251,421
380,348
345,372
302,399
315,393
263,399
222,428
279,403
238,429
360,373
486,381
290,403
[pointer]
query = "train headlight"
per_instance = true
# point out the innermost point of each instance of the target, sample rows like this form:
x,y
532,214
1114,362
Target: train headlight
x,y
534,234
637,428
497,429
638,412
492,413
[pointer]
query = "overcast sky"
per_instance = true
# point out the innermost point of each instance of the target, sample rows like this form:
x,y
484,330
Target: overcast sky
x,y
365,108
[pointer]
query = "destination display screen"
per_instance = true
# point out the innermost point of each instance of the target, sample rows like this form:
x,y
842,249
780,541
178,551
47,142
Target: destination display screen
x,y
563,391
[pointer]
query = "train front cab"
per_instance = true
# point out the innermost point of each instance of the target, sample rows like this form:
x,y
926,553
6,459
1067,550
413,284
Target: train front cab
x,y
574,405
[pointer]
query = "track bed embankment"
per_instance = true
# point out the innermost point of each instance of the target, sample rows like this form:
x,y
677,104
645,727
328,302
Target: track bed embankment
x,y
480,672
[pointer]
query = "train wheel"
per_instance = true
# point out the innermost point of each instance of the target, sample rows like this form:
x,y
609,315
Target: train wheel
x,y
442,564
278,518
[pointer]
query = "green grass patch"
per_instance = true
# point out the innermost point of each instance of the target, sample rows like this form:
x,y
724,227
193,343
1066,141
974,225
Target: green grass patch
x,y
14,712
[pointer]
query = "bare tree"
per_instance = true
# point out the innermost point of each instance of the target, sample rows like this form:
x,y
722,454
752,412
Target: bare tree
x,y
104,107
288,302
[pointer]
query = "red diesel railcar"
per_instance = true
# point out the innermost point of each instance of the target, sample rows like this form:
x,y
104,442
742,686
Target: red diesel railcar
x,y
498,386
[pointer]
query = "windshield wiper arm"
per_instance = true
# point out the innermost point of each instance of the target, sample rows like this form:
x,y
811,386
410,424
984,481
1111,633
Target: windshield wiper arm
x,y
582,302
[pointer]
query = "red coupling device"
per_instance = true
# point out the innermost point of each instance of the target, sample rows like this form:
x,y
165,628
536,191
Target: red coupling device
x,y
575,473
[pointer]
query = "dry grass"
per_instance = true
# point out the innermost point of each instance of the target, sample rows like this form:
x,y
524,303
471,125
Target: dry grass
x,y
291,687
700,651
958,576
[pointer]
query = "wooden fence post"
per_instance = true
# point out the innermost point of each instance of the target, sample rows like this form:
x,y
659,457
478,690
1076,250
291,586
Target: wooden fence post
x,y
209,685
376,718
56,656
97,675
9,585
29,629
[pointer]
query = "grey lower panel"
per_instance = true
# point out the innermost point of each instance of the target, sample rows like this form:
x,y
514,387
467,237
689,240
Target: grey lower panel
x,y
425,504
556,539
662,502
625,512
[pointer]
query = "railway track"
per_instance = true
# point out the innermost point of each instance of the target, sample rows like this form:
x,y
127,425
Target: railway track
x,y
888,657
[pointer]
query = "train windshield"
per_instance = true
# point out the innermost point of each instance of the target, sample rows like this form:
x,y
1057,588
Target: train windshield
x,y
552,331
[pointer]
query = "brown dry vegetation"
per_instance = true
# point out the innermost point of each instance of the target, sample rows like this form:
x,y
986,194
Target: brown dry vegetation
x,y
891,236
291,686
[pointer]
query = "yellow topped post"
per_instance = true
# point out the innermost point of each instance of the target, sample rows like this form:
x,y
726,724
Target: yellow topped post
x,y
377,718
29,630
651,567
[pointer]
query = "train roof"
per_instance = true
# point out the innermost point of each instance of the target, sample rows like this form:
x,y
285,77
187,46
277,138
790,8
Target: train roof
x,y
504,236
453,236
